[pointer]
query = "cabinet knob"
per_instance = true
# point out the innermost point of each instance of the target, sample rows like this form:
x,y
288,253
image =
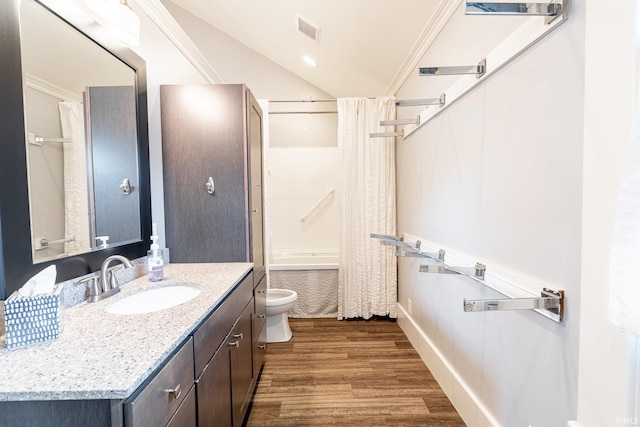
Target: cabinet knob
x,y
261,316
210,186
262,347
262,291
236,344
177,391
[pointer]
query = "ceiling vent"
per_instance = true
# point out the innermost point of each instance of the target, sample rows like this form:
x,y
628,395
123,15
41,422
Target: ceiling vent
x,y
308,28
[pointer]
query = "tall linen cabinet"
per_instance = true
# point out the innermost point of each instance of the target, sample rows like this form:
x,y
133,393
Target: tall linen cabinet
x,y
212,164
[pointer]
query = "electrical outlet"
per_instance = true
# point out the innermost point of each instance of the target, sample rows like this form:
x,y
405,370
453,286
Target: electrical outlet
x,y
409,306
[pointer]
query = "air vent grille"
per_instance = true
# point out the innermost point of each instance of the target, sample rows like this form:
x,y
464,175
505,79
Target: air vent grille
x,y
308,28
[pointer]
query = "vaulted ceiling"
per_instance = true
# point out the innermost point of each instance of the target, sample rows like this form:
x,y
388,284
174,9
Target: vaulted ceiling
x,y
364,48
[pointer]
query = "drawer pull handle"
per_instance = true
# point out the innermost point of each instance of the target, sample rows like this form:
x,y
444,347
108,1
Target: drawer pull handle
x,y
175,391
262,347
262,291
237,344
262,316
239,335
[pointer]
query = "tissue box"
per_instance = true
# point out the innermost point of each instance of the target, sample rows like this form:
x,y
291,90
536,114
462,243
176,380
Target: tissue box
x,y
32,319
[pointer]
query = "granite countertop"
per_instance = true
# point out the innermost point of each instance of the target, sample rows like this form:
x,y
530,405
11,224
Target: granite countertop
x,y
107,356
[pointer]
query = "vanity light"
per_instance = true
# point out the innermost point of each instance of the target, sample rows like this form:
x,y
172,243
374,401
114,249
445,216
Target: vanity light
x,y
310,61
105,9
127,27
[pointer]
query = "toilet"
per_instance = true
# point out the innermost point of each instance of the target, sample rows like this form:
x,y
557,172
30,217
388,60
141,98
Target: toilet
x,y
279,302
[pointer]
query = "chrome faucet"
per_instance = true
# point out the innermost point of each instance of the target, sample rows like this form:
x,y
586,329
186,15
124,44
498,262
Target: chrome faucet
x,y
107,284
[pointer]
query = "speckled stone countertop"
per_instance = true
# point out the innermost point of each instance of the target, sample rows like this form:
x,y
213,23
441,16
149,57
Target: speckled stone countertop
x,y
107,356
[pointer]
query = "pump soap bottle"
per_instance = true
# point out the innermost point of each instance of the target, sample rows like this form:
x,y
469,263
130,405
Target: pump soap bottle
x,y
155,263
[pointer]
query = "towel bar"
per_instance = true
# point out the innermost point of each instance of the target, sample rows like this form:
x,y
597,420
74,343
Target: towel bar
x,y
550,301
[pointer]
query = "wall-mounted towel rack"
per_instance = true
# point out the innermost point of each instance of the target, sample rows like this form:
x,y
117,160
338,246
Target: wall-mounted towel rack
x,y
41,140
415,121
550,10
395,241
479,69
438,256
522,38
441,100
44,243
311,211
550,301
386,134
476,272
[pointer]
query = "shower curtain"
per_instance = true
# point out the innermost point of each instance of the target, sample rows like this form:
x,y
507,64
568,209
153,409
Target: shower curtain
x,y
367,283
76,200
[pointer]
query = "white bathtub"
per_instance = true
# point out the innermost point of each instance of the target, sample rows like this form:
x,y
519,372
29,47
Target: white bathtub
x,y
304,260
313,274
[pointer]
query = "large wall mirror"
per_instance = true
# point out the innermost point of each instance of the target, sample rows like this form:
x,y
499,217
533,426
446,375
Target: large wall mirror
x,y
77,147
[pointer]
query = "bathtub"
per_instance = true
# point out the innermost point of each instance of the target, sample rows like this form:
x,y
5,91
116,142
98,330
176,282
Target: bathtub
x,y
313,274
304,260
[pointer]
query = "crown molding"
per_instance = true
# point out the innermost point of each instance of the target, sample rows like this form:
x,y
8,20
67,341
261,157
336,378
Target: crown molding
x,y
161,17
444,11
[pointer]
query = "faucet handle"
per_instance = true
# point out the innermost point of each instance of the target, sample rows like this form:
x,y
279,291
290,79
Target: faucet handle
x,y
91,282
113,282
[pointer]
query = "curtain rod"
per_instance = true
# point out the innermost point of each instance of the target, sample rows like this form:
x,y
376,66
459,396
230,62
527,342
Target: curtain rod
x,y
399,103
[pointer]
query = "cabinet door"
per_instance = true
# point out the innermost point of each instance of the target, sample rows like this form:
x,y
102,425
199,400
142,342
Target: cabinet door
x,y
241,365
204,136
256,196
185,416
213,390
259,331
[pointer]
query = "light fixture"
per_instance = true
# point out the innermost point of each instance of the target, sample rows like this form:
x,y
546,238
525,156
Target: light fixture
x,y
104,9
127,27
310,61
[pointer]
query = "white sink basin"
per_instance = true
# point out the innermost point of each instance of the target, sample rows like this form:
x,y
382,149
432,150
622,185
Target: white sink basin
x,y
154,299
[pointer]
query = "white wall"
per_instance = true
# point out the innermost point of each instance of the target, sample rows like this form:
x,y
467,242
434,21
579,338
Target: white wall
x,y
608,384
497,177
303,168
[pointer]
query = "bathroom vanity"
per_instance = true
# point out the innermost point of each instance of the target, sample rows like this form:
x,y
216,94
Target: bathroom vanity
x,y
197,363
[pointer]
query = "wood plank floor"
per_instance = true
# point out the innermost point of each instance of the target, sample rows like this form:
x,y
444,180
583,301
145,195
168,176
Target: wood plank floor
x,y
348,373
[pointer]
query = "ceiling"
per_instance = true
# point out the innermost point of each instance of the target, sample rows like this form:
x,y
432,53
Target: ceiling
x,y
363,47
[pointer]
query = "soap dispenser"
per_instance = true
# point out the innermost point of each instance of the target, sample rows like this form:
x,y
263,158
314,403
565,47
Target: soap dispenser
x,y
155,263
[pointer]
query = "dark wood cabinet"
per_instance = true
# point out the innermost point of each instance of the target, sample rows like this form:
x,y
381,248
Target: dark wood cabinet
x,y
212,165
209,379
240,355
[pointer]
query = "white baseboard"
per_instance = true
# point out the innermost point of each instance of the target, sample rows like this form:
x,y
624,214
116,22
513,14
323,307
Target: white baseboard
x,y
468,405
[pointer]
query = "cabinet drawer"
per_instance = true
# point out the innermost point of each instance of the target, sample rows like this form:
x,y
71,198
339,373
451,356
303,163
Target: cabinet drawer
x,y
211,333
155,403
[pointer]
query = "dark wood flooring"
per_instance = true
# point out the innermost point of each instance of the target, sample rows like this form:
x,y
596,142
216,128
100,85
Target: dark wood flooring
x,y
348,373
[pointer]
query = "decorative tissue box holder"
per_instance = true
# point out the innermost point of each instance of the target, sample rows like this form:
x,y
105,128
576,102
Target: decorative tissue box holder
x,y
32,319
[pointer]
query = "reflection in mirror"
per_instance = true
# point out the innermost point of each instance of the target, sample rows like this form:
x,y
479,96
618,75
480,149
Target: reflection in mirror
x,y
80,104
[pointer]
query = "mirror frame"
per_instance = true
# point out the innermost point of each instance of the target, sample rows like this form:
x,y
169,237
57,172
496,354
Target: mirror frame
x,y
16,255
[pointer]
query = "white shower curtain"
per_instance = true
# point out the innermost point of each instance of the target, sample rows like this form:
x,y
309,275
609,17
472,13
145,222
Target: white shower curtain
x,y
367,270
76,200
